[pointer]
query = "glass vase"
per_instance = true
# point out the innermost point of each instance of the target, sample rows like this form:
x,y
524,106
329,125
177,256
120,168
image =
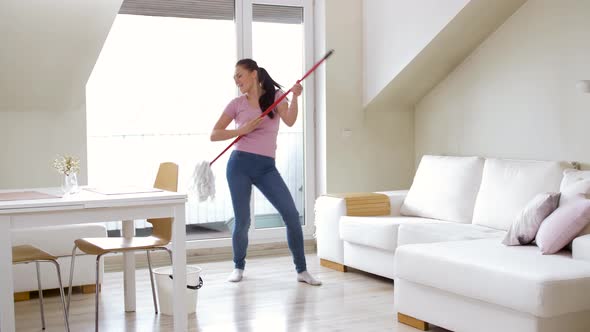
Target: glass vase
x,y
69,184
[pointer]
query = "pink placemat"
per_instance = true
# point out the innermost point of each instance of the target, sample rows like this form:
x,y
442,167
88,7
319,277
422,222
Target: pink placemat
x,y
24,195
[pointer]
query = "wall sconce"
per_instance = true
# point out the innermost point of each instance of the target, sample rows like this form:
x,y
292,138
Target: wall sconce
x,y
583,86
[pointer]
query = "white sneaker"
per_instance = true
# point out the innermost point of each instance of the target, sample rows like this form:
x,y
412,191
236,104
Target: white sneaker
x,y
236,275
308,278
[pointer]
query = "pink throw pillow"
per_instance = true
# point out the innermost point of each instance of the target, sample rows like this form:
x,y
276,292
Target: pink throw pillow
x,y
563,225
573,191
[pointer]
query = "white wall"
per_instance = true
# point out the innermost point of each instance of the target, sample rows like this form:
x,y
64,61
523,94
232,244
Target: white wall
x,y
48,51
379,153
320,49
50,57
515,96
31,140
395,31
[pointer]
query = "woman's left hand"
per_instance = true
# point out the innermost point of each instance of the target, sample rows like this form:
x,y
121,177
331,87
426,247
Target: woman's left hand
x,y
297,89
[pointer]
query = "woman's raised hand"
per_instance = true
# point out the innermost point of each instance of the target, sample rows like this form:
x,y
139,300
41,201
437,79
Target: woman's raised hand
x,y
297,89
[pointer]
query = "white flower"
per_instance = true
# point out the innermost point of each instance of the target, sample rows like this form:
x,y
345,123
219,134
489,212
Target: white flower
x,y
67,165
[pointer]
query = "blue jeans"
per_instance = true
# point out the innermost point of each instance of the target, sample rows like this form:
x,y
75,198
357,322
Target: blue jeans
x,y
244,170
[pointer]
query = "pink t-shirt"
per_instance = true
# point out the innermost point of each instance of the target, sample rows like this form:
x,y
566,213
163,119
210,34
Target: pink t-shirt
x,y
263,139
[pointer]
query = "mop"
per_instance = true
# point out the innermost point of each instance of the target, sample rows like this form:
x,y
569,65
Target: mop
x,y
203,181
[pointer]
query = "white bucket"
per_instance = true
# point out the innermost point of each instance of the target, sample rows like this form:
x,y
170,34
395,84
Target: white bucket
x,y
165,287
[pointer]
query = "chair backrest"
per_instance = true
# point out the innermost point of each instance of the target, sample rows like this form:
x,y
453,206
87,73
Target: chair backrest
x,y
167,179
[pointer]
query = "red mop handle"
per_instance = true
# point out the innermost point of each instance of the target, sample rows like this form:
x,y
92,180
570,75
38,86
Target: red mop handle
x,y
271,107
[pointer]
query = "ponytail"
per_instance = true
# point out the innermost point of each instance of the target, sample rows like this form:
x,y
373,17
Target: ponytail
x,y
269,86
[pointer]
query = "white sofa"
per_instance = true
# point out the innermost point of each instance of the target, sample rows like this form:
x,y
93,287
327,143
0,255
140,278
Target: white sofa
x,y
58,241
442,246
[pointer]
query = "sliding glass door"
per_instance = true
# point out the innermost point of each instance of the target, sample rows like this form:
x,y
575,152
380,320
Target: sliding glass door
x,y
163,78
277,45
278,36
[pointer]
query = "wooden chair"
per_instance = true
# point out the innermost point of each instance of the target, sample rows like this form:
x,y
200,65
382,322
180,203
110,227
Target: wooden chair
x,y
25,254
167,179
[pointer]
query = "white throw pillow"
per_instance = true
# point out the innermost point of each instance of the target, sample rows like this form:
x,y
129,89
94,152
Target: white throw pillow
x,y
571,176
508,185
444,188
571,191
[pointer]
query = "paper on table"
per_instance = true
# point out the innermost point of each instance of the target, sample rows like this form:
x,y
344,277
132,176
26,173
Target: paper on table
x,y
24,195
121,190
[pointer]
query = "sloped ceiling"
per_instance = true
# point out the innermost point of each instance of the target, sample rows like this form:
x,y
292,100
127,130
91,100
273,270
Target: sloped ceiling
x,y
447,49
48,50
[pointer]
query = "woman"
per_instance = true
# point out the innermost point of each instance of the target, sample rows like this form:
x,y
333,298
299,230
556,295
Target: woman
x,y
253,160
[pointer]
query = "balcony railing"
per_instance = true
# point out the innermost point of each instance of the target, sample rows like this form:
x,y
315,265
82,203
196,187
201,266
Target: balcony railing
x,y
134,159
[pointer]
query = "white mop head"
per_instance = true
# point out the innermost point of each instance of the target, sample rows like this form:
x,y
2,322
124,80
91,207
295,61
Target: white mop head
x,y
203,181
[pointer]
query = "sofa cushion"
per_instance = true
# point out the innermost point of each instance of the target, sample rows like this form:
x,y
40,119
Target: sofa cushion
x,y
516,277
508,185
377,232
574,190
581,248
428,233
444,188
571,176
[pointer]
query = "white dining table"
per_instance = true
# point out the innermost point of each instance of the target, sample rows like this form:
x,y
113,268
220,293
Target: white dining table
x,y
87,207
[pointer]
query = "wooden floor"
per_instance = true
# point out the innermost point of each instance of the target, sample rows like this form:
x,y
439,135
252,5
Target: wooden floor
x,y
268,299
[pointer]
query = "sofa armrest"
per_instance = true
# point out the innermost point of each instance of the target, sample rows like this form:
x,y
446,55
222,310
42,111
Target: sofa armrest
x,y
328,211
581,248
396,198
